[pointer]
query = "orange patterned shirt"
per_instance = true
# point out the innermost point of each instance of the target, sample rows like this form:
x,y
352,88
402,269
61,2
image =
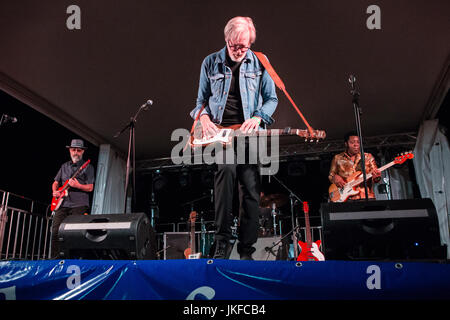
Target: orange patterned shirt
x,y
343,165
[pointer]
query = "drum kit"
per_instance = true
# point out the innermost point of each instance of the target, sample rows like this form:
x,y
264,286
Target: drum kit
x,y
270,214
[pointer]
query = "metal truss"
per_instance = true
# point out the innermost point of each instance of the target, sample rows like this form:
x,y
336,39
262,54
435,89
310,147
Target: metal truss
x,y
304,149
405,140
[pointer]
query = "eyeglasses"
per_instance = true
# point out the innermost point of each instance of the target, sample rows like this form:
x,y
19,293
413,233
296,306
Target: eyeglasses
x,y
237,47
76,149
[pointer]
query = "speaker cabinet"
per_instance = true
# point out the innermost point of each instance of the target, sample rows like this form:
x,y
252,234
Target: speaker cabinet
x,y
176,242
381,230
107,237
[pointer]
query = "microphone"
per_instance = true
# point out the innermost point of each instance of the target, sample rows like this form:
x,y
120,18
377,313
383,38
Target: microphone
x,y
146,105
7,118
352,79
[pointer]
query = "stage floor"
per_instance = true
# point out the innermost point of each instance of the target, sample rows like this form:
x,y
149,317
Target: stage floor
x,y
208,279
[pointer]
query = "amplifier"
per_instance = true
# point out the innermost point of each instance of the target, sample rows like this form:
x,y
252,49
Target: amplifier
x,y
107,236
381,230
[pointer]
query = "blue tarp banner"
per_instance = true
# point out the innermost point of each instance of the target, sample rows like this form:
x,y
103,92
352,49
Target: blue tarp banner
x,y
205,279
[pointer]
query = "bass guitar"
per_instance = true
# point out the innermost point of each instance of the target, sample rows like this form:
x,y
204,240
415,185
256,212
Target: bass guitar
x,y
64,190
190,252
337,194
309,249
226,135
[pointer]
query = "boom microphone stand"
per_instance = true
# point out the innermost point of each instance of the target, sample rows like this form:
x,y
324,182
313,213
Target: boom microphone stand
x,y
357,110
131,145
293,198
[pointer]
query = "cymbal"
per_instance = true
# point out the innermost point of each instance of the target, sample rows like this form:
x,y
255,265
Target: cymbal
x,y
278,198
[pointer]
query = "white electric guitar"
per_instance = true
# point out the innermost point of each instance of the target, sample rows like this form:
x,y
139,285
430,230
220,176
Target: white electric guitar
x,y
349,189
226,135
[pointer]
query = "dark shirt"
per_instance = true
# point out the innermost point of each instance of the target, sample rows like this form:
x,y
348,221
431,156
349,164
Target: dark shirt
x,y
233,113
76,197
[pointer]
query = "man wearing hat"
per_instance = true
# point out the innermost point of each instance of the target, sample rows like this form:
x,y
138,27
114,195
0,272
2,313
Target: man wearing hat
x,y
77,200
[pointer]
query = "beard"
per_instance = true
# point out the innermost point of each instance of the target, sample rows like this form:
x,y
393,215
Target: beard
x,y
75,158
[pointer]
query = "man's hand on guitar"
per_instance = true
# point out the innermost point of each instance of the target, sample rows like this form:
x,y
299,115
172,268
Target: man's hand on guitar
x,y
376,175
56,194
74,183
338,181
251,125
208,127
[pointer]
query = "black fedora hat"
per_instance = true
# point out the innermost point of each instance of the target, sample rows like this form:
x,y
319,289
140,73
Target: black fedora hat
x,y
77,143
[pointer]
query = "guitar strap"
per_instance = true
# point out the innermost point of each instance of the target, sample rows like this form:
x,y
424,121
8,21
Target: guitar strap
x,y
279,83
194,124
197,117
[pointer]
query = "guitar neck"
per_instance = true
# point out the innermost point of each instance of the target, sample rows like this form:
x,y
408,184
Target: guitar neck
x,y
79,169
308,230
276,132
193,250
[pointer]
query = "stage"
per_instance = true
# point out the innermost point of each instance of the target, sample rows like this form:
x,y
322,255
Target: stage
x,y
221,280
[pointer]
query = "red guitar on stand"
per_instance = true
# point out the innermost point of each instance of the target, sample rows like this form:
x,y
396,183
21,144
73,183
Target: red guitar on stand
x,y
57,201
309,250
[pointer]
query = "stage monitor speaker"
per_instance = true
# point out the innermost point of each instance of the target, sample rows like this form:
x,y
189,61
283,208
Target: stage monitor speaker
x,y
107,237
381,230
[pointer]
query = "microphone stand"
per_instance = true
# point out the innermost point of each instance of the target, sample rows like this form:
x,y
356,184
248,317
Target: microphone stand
x,y
357,110
293,198
131,145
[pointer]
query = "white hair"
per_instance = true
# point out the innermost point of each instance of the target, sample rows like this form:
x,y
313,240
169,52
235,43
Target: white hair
x,y
239,25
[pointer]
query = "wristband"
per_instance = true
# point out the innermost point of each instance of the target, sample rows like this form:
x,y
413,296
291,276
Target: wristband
x,y
257,118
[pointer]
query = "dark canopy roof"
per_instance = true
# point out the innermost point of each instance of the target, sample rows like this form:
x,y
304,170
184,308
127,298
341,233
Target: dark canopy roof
x,y
94,79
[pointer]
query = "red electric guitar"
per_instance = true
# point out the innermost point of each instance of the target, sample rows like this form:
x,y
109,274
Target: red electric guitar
x,y
309,250
57,201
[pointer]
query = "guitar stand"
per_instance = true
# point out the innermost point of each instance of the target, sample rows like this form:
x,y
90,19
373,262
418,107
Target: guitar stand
x,y
202,220
158,253
270,249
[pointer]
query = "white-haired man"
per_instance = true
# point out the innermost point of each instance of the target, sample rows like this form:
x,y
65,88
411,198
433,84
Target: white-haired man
x,y
234,88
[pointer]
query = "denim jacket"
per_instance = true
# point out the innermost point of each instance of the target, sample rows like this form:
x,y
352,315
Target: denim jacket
x,y
258,92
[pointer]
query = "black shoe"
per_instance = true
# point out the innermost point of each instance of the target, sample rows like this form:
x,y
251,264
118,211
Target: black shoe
x,y
220,251
246,256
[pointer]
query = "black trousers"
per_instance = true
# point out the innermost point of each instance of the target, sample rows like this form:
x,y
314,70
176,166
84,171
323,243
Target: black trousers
x,y
248,178
58,218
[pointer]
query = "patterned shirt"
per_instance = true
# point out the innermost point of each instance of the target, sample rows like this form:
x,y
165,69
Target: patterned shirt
x,y
76,197
343,165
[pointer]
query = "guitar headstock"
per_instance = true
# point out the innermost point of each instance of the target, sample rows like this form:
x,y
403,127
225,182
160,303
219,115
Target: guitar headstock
x,y
193,216
305,207
315,135
403,157
85,164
